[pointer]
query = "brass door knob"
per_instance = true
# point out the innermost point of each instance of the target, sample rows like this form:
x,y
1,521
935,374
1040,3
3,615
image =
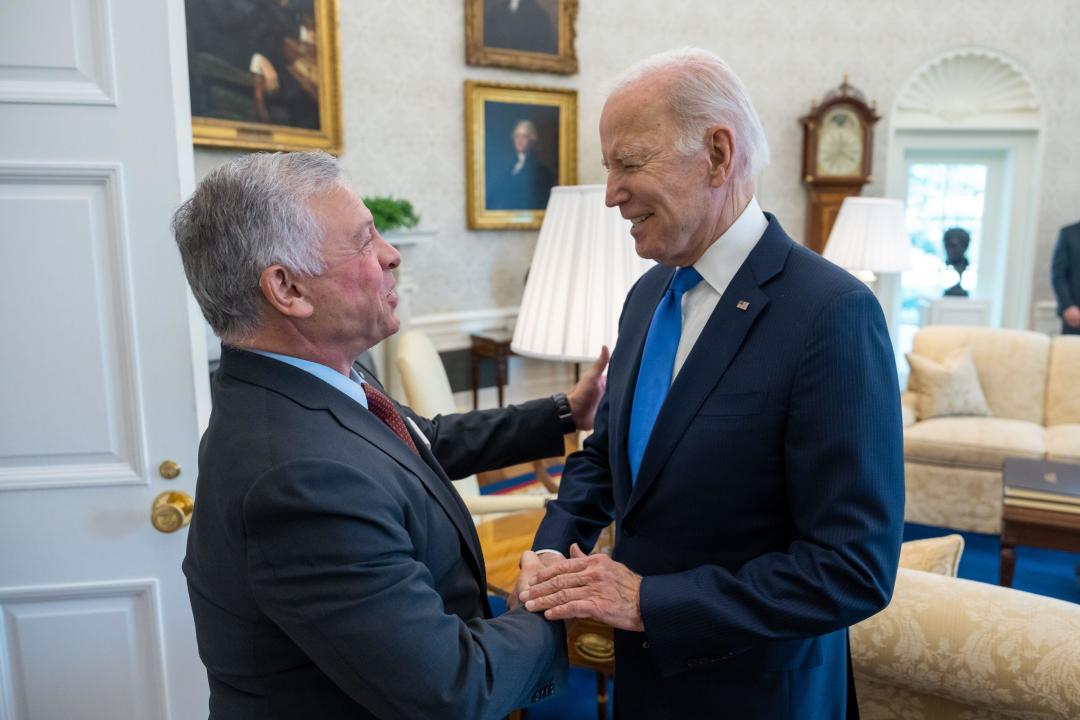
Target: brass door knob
x,y
171,511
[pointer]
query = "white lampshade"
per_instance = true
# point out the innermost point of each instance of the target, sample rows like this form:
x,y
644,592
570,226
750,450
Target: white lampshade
x,y
583,266
869,237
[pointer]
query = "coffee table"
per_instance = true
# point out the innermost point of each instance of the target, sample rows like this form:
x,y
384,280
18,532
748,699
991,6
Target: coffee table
x,y
1041,508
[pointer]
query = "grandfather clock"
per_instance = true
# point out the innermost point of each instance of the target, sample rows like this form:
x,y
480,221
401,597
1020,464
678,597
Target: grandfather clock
x,y
837,148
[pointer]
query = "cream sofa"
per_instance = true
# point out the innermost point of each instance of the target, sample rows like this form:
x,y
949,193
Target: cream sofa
x,y
952,649
953,465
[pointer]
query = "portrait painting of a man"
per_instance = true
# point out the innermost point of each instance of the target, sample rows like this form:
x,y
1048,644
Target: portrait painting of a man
x,y
519,161
524,34
520,142
527,25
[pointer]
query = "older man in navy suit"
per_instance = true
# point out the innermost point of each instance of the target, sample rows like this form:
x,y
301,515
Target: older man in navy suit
x,y
749,446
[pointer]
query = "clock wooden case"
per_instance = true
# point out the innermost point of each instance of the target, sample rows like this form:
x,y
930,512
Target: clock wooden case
x,y
838,138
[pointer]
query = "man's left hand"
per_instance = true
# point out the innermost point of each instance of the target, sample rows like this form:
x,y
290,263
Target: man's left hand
x,y
585,396
587,586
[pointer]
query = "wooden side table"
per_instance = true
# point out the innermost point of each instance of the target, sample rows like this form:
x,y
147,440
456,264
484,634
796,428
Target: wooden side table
x,y
1036,527
493,345
1041,508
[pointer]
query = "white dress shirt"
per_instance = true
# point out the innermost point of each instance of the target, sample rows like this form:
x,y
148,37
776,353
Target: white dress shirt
x,y
717,267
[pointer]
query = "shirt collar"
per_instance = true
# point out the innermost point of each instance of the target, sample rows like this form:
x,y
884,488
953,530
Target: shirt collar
x,y
350,385
727,254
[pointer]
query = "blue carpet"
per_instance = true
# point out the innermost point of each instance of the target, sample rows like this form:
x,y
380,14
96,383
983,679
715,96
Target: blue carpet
x,y
1044,572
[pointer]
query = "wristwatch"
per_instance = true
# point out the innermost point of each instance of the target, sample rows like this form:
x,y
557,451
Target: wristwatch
x,y
566,417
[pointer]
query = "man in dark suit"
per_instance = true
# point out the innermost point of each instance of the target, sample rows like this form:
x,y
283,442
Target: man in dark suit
x,y
1065,277
749,445
332,568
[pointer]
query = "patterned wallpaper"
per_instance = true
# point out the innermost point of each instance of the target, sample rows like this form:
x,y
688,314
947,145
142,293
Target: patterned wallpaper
x,y
404,71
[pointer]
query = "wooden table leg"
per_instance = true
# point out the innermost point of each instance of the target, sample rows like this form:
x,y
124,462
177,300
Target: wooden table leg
x,y
500,376
1008,563
474,372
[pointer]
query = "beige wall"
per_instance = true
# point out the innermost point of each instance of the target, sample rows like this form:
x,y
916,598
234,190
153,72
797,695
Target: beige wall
x,y
404,69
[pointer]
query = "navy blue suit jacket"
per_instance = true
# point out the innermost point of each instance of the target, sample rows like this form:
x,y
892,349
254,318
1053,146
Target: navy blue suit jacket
x,y
334,573
768,510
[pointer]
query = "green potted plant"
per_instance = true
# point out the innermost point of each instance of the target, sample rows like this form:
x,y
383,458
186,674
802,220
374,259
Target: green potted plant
x,y
391,213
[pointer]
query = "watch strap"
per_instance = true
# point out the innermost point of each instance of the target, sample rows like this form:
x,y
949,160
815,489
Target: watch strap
x,y
562,409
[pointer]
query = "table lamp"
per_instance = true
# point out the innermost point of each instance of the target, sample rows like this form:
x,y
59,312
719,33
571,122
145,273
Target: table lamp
x,y
869,237
582,268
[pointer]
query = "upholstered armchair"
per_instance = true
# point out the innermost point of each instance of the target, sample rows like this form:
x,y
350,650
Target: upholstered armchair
x,y
427,391
952,649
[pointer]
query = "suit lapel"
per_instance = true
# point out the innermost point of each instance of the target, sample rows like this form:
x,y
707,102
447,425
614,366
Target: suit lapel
x,y
736,312
314,394
462,519
424,466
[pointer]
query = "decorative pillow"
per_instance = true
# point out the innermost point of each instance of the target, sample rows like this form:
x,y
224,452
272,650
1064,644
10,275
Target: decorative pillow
x,y
946,388
940,555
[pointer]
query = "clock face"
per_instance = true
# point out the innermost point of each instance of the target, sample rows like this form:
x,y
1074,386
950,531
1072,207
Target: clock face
x,y
840,144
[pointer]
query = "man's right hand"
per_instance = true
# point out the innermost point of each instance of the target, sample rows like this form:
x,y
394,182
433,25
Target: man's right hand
x,y
1071,316
531,564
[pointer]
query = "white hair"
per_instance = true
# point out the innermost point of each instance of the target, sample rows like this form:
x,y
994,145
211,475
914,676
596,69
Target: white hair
x,y
245,216
704,91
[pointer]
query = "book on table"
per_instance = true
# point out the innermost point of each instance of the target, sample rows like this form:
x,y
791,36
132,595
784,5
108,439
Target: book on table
x,y
1042,484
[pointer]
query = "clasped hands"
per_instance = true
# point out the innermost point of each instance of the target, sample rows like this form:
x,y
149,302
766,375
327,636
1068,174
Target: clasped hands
x,y
582,586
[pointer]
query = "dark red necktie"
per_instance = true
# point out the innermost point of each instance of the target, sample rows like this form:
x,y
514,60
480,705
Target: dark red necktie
x,y
383,409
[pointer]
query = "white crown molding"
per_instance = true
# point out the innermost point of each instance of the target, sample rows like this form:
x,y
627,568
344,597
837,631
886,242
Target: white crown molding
x,y
969,88
450,331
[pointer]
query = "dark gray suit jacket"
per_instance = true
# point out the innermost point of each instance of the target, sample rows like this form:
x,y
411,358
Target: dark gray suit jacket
x,y
333,573
1065,271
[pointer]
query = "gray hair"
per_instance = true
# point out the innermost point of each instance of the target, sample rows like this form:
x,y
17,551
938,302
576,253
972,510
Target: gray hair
x,y
245,216
704,91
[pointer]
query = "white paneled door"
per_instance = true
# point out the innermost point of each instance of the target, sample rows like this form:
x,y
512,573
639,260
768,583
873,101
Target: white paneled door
x,y
102,362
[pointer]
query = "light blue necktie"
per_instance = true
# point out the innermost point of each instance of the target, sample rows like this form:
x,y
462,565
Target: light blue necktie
x,y
657,363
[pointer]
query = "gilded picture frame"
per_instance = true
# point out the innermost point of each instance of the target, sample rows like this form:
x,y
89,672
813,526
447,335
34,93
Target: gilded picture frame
x,y
520,142
265,79
534,35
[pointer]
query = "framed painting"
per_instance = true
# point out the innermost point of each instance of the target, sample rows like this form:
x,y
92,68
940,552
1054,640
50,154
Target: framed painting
x,y
522,34
519,143
265,74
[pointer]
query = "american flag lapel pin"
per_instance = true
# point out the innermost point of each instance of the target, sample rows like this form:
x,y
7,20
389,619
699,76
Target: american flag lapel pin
x,y
742,304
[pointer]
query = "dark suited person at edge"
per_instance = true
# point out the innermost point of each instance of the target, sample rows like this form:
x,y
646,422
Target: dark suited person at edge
x,y
749,445
526,183
333,570
1065,278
